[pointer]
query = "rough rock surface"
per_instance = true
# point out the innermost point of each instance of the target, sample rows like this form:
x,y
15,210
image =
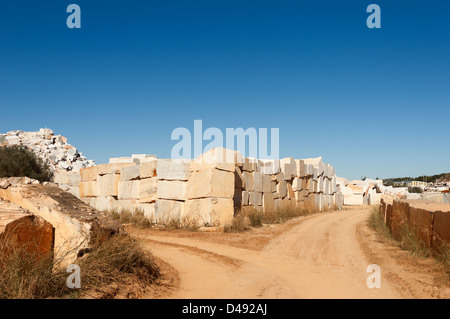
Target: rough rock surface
x,y
77,225
21,230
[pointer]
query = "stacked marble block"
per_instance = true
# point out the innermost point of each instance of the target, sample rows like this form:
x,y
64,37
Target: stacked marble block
x,y
288,183
166,190
209,190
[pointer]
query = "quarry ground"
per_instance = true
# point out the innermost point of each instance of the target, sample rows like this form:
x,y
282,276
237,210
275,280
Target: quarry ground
x,y
324,255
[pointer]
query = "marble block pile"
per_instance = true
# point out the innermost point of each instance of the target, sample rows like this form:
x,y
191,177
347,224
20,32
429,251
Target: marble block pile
x,y
288,183
50,147
368,192
209,190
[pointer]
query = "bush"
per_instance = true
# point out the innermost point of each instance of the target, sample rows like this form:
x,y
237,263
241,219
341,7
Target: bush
x,y
25,275
136,218
19,161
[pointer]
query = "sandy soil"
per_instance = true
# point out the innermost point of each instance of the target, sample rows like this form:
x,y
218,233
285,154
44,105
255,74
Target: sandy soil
x,y
320,256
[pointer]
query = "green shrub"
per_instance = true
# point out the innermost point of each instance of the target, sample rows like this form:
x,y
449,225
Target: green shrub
x,y
416,190
19,161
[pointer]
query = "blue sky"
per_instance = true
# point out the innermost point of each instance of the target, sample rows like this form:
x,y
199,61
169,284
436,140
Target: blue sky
x,y
371,102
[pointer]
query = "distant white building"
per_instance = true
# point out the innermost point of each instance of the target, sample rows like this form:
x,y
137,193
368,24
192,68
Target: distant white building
x,y
417,184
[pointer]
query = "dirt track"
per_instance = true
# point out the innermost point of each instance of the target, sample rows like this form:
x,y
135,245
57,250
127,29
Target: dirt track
x,y
320,256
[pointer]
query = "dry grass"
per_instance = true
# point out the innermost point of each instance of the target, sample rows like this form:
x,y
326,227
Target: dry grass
x,y
24,275
241,221
443,257
138,220
253,218
410,241
114,260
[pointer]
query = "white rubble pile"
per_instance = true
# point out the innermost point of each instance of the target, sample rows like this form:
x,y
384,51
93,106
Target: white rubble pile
x,y
51,148
368,192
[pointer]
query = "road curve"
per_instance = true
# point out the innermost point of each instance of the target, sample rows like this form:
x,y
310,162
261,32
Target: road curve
x,y
319,257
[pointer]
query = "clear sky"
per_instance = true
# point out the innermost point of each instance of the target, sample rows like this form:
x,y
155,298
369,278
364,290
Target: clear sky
x,y
372,102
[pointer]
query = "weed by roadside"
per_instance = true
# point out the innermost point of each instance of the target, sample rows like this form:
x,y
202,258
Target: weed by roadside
x,y
409,240
377,223
256,218
25,275
139,220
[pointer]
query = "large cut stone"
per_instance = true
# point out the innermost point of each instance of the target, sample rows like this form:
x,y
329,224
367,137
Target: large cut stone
x,y
257,182
300,169
149,211
268,202
175,190
255,199
266,184
175,170
297,184
60,177
211,183
121,160
239,181
355,199
129,173
21,231
74,179
128,189
105,204
127,205
147,190
169,211
148,168
209,211
288,168
77,225
250,164
248,180
88,189
245,197
269,166
219,158
317,163
282,188
108,185
113,168
89,174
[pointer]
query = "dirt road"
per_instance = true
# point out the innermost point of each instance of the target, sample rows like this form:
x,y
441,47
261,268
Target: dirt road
x,y
321,256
